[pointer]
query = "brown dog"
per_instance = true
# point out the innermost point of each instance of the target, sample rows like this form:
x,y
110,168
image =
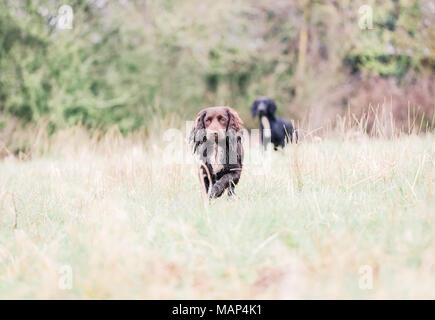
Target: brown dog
x,y
216,140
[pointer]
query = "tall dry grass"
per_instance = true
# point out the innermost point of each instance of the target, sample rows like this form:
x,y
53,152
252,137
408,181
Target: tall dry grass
x,y
130,225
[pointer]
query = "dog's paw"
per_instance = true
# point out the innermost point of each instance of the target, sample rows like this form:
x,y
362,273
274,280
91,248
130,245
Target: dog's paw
x,y
216,191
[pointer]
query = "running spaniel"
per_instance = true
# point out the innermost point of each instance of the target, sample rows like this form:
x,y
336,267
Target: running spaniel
x,y
216,140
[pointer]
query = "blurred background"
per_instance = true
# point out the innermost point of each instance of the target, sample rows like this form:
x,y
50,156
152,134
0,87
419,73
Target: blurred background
x,y
145,65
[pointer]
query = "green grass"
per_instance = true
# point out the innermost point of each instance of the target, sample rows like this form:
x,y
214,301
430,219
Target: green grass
x,y
130,226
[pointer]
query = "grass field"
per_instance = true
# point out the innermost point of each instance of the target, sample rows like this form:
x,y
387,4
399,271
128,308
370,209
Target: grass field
x,y
110,219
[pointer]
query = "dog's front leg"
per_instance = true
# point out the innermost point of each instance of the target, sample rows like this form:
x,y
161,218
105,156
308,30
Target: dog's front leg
x,y
224,182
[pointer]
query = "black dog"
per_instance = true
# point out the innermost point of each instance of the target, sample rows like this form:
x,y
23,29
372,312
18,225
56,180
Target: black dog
x,y
281,131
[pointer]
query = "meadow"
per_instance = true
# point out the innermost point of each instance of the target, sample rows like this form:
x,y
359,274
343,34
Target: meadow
x,y
91,207
346,215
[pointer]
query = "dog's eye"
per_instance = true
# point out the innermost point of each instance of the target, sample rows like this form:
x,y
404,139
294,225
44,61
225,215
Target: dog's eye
x,y
222,119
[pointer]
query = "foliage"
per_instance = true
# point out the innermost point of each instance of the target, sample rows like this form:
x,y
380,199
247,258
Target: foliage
x,y
127,63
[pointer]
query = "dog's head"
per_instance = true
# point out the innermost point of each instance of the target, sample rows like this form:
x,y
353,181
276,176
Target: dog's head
x,y
212,127
263,106
217,121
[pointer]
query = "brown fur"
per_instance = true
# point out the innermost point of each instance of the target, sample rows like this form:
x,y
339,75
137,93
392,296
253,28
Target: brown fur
x,y
216,140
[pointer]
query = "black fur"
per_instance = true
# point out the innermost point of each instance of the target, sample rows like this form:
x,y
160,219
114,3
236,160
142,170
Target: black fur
x,y
282,131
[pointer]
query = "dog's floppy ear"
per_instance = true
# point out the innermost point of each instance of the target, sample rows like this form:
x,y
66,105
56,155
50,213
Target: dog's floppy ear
x,y
254,108
199,122
271,107
234,121
195,134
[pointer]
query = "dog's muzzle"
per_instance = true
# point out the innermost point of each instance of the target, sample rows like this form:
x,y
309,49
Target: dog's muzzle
x,y
262,108
216,135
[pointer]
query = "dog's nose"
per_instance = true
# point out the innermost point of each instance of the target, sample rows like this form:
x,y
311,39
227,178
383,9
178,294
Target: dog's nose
x,y
262,107
212,132
215,134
